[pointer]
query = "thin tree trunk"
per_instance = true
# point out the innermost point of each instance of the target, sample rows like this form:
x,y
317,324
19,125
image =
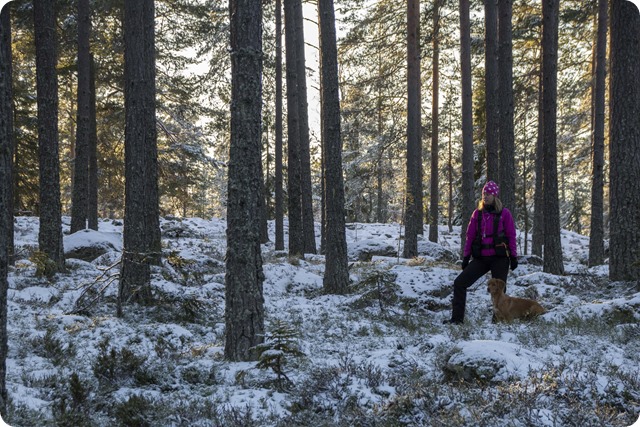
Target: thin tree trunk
x,y
308,227
537,235
244,315
491,89
505,69
450,179
93,153
435,135
50,234
80,193
414,211
596,236
624,142
6,182
467,118
336,276
279,209
296,239
552,245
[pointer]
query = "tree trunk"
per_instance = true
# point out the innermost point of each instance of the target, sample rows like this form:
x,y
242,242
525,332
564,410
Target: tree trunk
x,y
93,152
505,69
294,189
624,142
279,208
414,210
596,235
336,275
435,117
491,89
80,193
537,235
244,301
552,245
50,234
140,151
152,196
467,118
6,182
308,227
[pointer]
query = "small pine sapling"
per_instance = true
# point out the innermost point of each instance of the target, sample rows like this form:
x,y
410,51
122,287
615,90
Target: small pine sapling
x,y
280,344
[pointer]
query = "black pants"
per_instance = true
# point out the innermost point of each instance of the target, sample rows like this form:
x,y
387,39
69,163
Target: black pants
x,y
499,267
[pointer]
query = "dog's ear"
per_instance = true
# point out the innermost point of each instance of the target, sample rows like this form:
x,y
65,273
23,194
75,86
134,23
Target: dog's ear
x,y
501,284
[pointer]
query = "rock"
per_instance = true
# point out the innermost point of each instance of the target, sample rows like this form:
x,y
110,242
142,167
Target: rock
x,y
436,251
531,260
89,244
486,360
364,250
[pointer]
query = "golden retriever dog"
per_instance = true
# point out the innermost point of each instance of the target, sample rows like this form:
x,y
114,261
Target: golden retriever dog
x,y
508,308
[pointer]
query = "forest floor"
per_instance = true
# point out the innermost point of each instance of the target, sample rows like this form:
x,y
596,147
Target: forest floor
x,y
379,356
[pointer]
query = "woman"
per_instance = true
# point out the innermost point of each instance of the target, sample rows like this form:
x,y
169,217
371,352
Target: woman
x,y
492,250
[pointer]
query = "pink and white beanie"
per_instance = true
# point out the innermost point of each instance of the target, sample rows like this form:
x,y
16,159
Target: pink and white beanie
x,y
491,188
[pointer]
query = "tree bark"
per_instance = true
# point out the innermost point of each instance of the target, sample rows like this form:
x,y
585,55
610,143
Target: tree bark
x,y
6,182
80,193
491,89
50,234
435,135
624,142
294,189
336,276
414,209
308,227
467,117
140,154
93,153
596,235
152,196
279,208
505,69
552,245
537,235
244,316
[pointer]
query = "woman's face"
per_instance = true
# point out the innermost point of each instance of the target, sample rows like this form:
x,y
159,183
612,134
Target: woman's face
x,y
488,199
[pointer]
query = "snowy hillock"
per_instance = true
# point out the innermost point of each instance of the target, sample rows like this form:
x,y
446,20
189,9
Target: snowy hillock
x,y
379,355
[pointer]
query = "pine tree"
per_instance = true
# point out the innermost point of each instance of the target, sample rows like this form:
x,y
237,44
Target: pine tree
x,y
6,182
279,208
336,276
467,117
244,316
435,117
414,207
92,214
308,228
294,165
80,195
553,262
596,235
507,175
624,145
50,234
140,151
491,89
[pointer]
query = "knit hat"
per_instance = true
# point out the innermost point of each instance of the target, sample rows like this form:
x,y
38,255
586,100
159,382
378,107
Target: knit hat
x,y
491,188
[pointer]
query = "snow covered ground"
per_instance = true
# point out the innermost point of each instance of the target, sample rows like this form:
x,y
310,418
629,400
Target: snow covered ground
x,y
379,356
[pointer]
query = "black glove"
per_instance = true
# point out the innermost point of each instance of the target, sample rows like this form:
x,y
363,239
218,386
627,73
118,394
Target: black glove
x,y
465,262
514,263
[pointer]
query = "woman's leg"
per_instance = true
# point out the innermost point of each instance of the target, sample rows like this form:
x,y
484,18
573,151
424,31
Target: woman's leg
x,y
476,269
500,269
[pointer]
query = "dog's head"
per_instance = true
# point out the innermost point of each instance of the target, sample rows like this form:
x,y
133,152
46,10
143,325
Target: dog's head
x,y
495,286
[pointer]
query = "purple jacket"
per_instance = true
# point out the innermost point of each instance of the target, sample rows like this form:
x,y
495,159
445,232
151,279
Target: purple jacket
x,y
506,223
